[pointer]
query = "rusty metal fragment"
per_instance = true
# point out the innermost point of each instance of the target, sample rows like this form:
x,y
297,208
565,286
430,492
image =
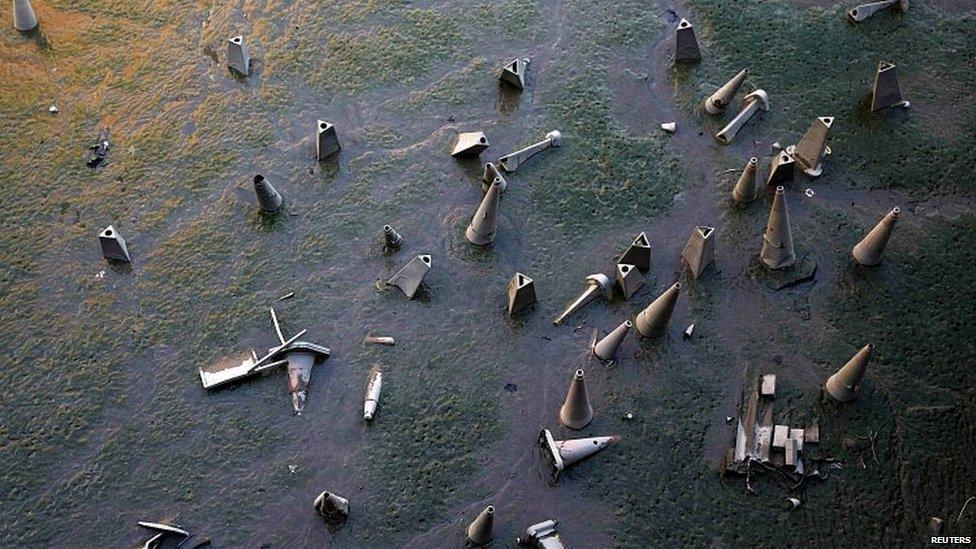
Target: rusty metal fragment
x,y
576,411
543,535
638,254
511,162
863,11
470,144
113,245
410,277
479,531
24,18
374,385
629,278
686,44
810,150
653,320
746,190
885,92
751,104
332,508
777,249
606,348
717,102
521,293
596,284
298,356
699,251
238,58
326,140
845,384
870,250
513,73
563,453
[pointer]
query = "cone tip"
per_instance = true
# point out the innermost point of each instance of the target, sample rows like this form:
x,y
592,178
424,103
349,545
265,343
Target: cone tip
x,y
753,160
895,211
869,346
677,286
780,189
578,374
490,510
628,324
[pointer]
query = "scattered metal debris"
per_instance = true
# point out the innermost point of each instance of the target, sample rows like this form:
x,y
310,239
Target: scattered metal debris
x,y
810,151
935,525
885,92
292,469
845,384
470,144
670,127
289,295
332,508
479,531
543,535
716,103
781,169
99,150
870,250
238,58
374,386
326,140
777,249
492,175
409,278
808,192
511,162
576,411
563,453
606,348
628,416
653,320
161,531
521,294
513,73
268,198
24,18
298,356
863,11
392,238
686,45
379,340
53,109
481,230
767,386
113,245
689,331
699,251
751,104
638,254
746,189
596,284
629,278
793,503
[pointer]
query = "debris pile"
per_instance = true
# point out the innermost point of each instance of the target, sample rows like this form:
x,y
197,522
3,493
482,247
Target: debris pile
x,y
760,445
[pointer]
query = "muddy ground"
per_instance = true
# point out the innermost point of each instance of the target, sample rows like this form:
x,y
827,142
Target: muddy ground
x,y
103,421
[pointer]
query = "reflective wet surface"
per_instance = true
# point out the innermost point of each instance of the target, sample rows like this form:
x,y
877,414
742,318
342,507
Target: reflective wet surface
x,y
103,419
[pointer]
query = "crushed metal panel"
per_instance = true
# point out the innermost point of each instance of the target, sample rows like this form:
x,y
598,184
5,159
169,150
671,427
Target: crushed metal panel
x,y
812,434
797,435
765,443
781,433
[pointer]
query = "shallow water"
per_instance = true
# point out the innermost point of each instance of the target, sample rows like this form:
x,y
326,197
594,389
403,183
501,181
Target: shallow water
x,y
104,421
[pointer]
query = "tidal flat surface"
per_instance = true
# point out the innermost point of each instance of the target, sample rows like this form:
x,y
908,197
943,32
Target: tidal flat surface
x,y
103,420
